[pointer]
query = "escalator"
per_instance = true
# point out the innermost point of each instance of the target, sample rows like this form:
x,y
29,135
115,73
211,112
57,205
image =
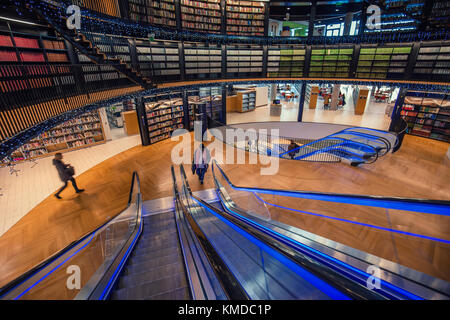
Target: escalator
x,y
155,269
207,251
246,206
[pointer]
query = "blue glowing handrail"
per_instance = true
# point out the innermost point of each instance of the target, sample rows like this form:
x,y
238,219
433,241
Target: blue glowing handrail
x,y
439,207
376,130
417,235
365,135
330,138
328,150
33,272
326,257
311,278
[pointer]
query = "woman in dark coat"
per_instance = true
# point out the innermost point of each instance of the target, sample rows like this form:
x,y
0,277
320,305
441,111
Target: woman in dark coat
x,y
66,173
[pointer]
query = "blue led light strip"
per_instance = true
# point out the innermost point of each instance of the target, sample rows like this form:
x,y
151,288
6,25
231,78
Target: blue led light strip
x,y
354,222
55,268
365,275
311,278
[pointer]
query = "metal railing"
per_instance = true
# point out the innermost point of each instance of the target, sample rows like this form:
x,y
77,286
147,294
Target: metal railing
x,y
327,149
48,279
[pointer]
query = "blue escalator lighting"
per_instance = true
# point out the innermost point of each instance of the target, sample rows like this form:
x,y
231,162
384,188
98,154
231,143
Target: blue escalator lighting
x,y
330,150
54,269
355,222
119,267
327,257
393,203
317,282
389,204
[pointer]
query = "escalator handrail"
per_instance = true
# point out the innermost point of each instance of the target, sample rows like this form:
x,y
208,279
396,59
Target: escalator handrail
x,y
37,268
376,130
356,133
356,292
227,280
440,207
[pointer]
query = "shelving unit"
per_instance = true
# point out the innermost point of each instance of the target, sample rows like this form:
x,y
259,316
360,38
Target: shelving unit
x,y
333,62
202,15
202,61
163,116
246,101
159,12
114,114
433,60
284,61
31,62
83,131
245,17
248,60
427,115
158,58
383,62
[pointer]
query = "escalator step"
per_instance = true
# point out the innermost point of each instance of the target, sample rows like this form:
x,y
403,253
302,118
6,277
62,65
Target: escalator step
x,y
146,256
158,242
150,275
148,290
149,232
156,252
136,266
177,294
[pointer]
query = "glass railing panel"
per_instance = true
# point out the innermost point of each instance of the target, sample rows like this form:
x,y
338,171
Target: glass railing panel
x,y
418,240
263,272
69,274
245,200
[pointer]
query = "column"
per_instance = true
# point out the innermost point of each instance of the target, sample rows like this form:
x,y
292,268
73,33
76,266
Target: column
x,y
223,113
395,116
301,102
335,97
273,92
348,23
142,120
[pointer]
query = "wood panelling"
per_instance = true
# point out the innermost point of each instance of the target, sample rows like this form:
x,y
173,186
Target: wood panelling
x,y
13,121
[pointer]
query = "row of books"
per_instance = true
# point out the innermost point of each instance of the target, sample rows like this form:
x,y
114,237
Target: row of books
x,y
200,4
204,12
186,17
74,133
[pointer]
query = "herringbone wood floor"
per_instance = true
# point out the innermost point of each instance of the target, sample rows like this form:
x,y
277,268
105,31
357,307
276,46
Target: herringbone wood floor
x,y
420,169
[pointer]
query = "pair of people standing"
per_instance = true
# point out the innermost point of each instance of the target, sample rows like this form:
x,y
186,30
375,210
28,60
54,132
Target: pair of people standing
x,y
200,163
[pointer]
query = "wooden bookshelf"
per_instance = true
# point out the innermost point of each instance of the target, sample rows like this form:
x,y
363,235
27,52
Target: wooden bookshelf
x,y
244,60
285,61
245,17
434,60
202,61
384,62
201,15
163,117
158,58
427,114
80,132
246,101
330,62
159,12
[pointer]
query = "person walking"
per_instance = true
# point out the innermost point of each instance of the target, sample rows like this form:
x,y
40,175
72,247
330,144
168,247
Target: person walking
x,y
200,163
66,172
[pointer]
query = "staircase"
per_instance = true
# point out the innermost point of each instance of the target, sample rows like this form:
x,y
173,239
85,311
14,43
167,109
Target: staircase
x,y
155,269
86,47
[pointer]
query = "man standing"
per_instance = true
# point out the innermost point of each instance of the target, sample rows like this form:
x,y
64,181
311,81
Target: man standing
x,y
202,157
66,173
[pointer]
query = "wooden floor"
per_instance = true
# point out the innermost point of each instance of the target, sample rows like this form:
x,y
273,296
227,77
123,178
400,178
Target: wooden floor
x,y
420,170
